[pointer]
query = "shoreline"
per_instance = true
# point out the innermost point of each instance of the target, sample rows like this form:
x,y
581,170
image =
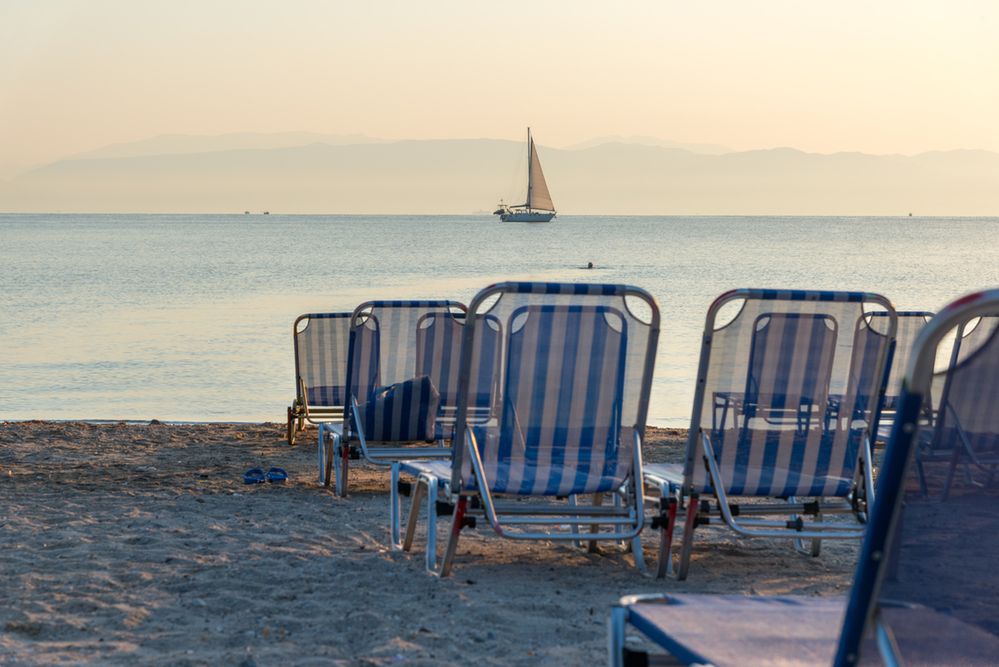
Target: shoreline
x,y
140,544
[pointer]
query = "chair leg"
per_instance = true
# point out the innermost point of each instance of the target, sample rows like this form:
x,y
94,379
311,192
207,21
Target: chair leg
x,y
321,457
414,513
330,449
457,522
664,565
344,457
817,543
431,558
291,427
638,555
574,527
693,504
615,636
598,500
338,446
394,508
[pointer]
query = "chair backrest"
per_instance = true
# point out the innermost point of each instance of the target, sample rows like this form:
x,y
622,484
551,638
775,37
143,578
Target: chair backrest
x,y
384,350
966,339
926,584
788,385
321,341
438,356
575,374
910,323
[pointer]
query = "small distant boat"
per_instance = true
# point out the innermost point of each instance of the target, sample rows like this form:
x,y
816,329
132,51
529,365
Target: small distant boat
x,y
539,206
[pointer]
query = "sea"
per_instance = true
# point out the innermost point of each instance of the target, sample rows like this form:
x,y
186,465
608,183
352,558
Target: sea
x,y
189,317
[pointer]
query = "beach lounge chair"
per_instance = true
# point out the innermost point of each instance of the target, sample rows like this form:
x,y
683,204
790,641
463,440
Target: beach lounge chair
x,y
575,373
320,344
786,401
399,352
925,587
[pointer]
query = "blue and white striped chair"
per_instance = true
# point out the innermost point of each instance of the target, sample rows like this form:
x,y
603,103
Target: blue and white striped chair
x,y
925,588
391,398
320,342
787,396
575,373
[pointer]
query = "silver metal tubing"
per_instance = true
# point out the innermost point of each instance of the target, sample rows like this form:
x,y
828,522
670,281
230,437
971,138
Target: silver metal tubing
x,y
556,521
887,646
868,474
562,510
385,456
615,636
562,537
431,557
574,527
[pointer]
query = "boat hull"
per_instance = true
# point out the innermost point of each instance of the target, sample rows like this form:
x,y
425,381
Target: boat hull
x,y
524,216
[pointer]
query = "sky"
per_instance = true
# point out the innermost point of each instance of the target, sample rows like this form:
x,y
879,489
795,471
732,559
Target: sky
x,y
895,76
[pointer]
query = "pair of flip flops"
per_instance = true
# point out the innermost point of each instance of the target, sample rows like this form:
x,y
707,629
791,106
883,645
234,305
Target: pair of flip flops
x,y
258,476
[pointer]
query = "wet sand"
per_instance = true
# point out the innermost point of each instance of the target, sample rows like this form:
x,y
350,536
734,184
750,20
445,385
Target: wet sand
x,y
140,544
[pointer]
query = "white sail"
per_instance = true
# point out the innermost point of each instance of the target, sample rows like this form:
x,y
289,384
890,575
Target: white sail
x,y
538,196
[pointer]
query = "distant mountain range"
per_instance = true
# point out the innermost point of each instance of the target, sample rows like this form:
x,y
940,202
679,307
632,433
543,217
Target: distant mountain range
x,y
314,173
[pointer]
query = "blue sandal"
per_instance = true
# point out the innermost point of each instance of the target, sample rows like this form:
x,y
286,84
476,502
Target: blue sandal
x,y
253,476
276,476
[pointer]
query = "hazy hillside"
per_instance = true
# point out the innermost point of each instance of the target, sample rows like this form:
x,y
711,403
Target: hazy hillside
x,y
471,175
175,144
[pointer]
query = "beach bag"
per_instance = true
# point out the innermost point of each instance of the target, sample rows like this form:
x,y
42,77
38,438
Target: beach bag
x,y
404,411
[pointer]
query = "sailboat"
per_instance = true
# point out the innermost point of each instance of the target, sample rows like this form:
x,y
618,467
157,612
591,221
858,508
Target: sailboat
x,y
539,206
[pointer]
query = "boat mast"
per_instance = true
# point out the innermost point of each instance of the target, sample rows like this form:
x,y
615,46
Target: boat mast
x,y
529,169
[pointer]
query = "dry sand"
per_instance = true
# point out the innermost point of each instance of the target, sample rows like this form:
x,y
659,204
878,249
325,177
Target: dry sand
x,y
140,544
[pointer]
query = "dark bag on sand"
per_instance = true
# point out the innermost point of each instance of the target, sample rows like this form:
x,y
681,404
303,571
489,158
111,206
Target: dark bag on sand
x,y
403,411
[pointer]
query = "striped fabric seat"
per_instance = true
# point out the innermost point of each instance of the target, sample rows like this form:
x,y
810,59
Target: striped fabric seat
x,y
783,407
326,395
561,414
320,344
573,370
789,388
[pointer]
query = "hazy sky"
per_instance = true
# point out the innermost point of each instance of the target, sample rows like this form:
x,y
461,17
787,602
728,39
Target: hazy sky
x,y
889,76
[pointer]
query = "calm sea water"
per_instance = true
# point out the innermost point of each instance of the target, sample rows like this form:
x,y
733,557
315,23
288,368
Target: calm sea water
x,y
189,317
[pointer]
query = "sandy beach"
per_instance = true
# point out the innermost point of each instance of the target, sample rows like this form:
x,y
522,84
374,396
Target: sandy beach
x,y
140,544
